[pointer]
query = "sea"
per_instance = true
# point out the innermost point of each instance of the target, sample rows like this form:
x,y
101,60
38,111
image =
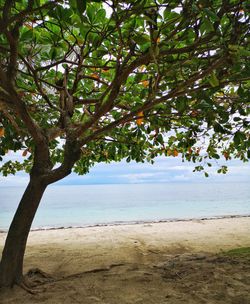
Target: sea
x,y
90,205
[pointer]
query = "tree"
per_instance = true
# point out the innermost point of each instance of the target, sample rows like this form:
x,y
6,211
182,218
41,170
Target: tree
x,y
101,81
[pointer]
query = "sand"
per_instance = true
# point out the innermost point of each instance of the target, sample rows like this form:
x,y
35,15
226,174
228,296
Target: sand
x,y
172,262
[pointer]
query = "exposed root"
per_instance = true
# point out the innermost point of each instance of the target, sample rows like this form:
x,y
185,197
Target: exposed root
x,y
95,270
36,277
25,286
38,273
33,279
28,286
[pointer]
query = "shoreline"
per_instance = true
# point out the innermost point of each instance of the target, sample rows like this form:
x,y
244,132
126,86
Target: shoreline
x,y
133,223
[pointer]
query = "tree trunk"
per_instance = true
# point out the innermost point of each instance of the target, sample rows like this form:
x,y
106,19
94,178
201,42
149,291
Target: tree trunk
x,y
11,265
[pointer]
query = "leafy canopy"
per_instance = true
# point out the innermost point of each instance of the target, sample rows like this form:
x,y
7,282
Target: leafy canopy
x,y
123,79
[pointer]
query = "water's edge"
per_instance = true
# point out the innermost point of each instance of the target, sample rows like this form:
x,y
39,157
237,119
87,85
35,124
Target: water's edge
x,y
123,223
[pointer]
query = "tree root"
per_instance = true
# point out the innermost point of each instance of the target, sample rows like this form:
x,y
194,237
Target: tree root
x,y
25,286
33,279
36,272
95,270
38,277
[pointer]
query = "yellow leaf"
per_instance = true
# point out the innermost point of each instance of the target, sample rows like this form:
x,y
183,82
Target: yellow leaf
x,y
2,132
169,152
145,83
142,68
197,152
21,94
139,120
29,25
194,113
94,75
226,155
105,70
175,153
25,152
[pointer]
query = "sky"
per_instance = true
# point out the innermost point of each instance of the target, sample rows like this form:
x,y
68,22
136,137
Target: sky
x,y
164,170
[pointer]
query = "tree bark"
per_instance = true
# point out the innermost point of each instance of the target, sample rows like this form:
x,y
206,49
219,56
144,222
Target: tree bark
x,y
11,265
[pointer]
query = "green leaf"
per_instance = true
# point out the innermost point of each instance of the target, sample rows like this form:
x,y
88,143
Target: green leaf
x,y
181,104
100,15
81,7
53,53
84,29
211,15
73,4
27,35
90,12
170,15
141,39
216,156
244,52
218,128
101,53
233,47
206,26
239,137
213,80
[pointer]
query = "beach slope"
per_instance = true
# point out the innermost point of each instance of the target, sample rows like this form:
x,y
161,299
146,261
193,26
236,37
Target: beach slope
x,y
171,262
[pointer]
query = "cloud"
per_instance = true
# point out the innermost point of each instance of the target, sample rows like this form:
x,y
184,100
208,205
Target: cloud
x,y
20,179
137,177
164,170
181,178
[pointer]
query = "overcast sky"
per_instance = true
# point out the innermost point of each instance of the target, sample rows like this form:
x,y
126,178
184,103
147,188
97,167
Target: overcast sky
x,y
164,170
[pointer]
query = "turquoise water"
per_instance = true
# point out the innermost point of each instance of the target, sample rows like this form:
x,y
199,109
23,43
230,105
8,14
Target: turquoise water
x,y
64,206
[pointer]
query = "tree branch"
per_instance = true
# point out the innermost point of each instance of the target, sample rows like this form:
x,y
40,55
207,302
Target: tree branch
x,y
179,91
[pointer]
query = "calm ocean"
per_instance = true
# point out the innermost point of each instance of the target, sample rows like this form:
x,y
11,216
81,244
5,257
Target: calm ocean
x,y
64,206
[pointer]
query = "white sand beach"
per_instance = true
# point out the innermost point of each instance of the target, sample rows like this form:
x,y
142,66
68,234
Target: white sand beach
x,y
172,262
